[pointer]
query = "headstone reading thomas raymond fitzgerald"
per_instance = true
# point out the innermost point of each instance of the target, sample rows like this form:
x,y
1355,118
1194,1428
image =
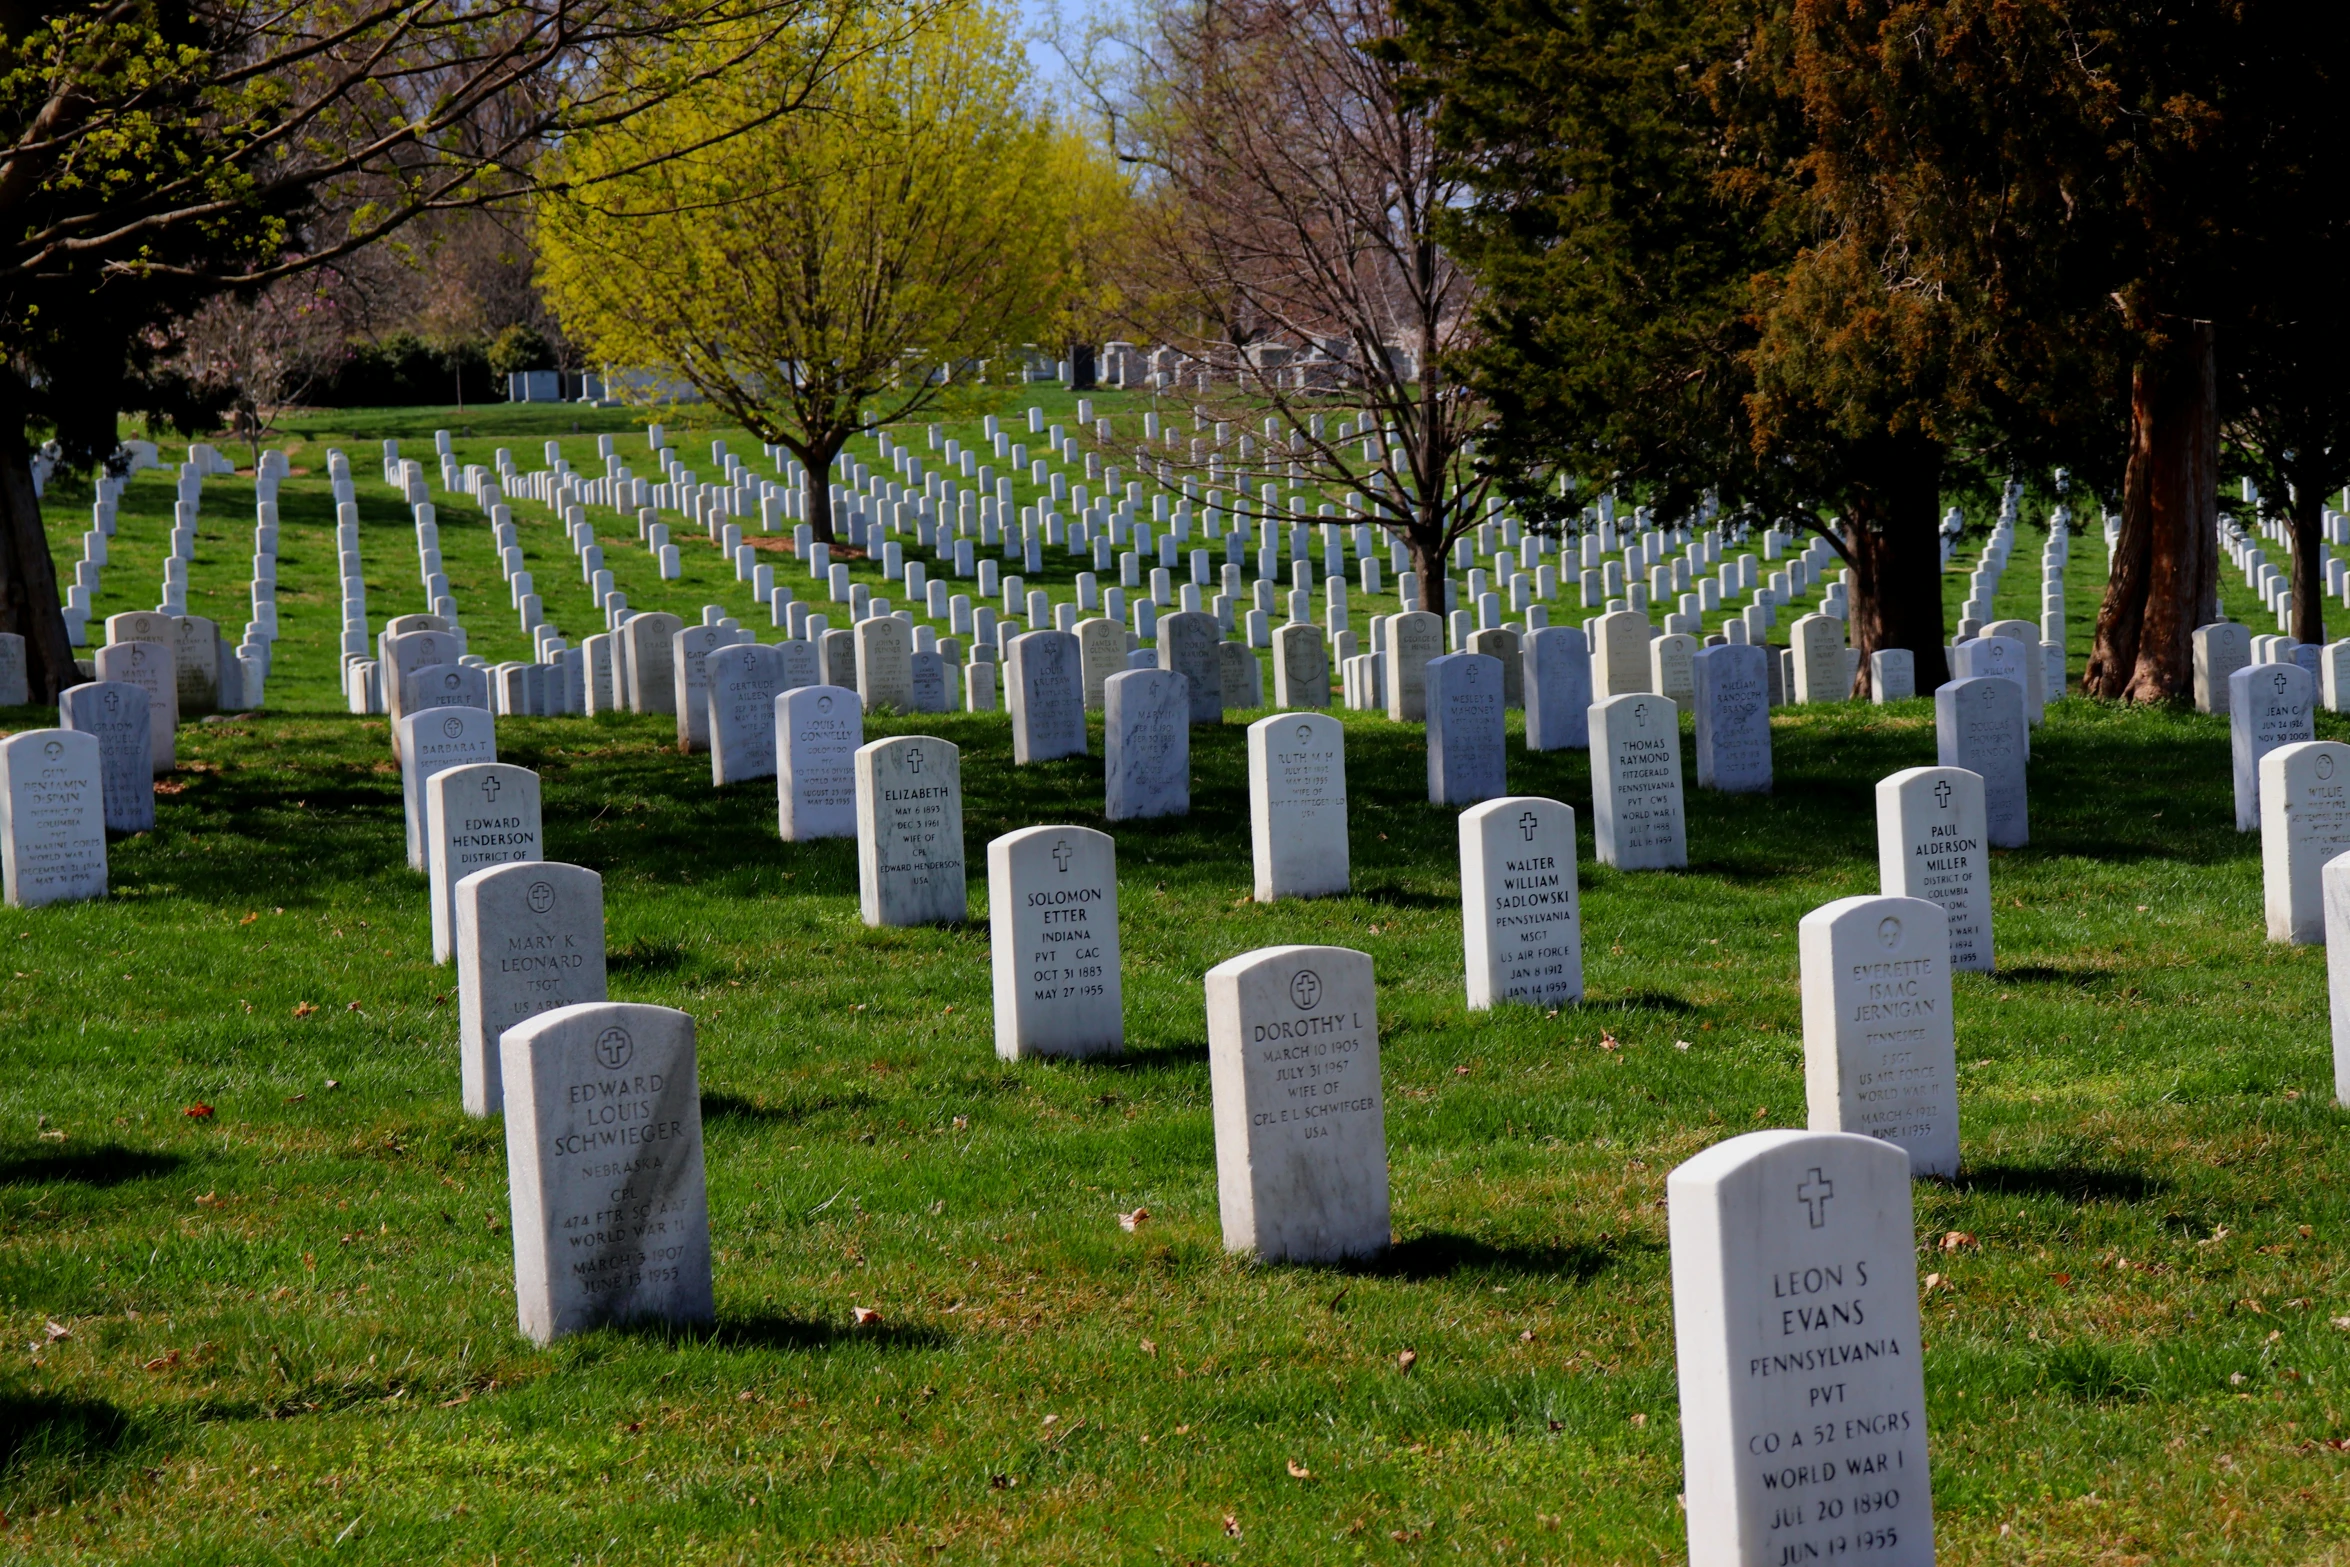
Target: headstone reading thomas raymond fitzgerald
x,y
116,712
1558,689
1931,845
1413,638
2221,648
1795,1328
1052,906
2304,824
651,659
52,818
1521,920
1467,730
1979,725
1187,645
910,831
1637,819
1297,806
1101,650
885,662
1733,701
744,680
817,732
147,665
1301,666
1879,1056
1301,1125
1146,745
1046,687
2268,705
476,816
433,742
530,938
1619,654
604,1162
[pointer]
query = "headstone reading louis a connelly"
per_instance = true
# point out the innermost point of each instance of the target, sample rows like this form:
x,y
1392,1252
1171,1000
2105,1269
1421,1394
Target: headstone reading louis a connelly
x,y
476,816
2304,825
1931,844
1301,1138
2269,705
1795,1328
530,938
604,1163
1521,920
52,818
433,742
1979,725
1146,744
1297,806
1045,685
1732,685
1052,903
1637,816
817,732
1467,729
1879,1056
910,831
118,714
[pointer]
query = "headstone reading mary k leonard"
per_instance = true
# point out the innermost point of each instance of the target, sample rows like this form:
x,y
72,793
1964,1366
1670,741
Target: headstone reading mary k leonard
x,y
1146,745
817,732
2304,825
1301,1134
744,680
476,816
1979,725
1297,806
1795,1328
1931,845
52,818
604,1163
1052,900
1879,1057
2268,705
1046,685
116,712
1733,706
910,831
1521,922
431,743
530,938
1637,818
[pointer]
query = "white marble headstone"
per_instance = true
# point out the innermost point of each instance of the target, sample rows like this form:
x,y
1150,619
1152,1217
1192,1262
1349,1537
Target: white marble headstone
x,y
52,818
530,938
476,816
117,712
431,743
1413,638
2304,825
1467,730
1558,689
1188,641
147,665
910,831
2269,705
817,732
1297,806
743,680
1637,817
1052,901
1979,725
1521,915
1301,666
1932,844
1733,718
1879,1055
1045,683
1146,745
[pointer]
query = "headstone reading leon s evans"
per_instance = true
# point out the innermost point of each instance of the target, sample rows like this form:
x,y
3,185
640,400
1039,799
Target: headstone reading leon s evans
x,y
1637,820
1301,1136
1795,1328
530,938
604,1165
1146,745
910,831
2304,825
476,816
1297,806
1979,725
1521,920
52,818
817,732
1052,903
1879,1056
1931,844
1467,730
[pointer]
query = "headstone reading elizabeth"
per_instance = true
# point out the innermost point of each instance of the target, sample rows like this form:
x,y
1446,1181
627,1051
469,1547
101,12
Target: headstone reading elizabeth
x,y
910,831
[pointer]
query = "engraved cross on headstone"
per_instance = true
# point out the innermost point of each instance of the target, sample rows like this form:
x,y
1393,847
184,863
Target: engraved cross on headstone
x,y
1814,1194
1061,857
1526,824
1942,794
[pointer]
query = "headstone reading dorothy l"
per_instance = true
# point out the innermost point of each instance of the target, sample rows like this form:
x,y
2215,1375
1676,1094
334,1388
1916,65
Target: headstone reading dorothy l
x,y
2269,705
1795,1327
1146,745
530,938
1052,900
1733,722
2304,826
1979,725
1932,844
817,732
1521,917
604,1165
1301,1138
52,818
910,831
1637,818
1879,1057
1467,729
117,713
1297,806
476,816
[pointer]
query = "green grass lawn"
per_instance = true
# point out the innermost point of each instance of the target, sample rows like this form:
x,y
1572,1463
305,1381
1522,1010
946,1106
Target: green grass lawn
x,y
286,1331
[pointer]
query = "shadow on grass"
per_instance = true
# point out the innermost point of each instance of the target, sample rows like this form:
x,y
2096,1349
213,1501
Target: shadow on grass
x,y
2042,974
38,1428
1441,1254
2072,1182
721,1109
775,1330
646,957
109,1165
1640,1001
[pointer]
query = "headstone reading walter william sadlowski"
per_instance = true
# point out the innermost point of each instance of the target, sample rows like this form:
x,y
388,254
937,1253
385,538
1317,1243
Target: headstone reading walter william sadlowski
x,y
1521,922
1297,806
604,1166
1795,1328
910,831
1052,896
1301,1139
1879,1055
530,938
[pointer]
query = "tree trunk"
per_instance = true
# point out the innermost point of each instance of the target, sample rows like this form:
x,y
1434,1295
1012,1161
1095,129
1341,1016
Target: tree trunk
x,y
1892,541
816,488
2165,576
29,605
1428,564
2309,579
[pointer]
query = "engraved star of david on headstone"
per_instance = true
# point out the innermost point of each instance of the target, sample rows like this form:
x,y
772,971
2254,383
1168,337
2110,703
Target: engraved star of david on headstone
x,y
1814,1194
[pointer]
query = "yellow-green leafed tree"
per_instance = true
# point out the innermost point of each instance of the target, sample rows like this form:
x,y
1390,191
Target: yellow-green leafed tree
x,y
842,260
